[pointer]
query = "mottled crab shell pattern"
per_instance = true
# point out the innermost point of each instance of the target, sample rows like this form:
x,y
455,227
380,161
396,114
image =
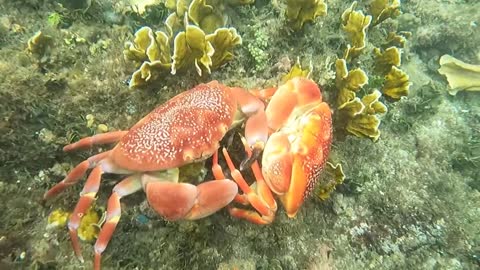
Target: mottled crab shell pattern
x,y
171,135
296,152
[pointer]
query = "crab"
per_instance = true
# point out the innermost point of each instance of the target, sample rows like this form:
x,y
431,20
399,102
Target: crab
x,y
293,131
299,139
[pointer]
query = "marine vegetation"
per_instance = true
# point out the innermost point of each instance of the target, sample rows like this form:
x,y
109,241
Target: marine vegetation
x,y
298,12
187,129
191,47
460,75
361,116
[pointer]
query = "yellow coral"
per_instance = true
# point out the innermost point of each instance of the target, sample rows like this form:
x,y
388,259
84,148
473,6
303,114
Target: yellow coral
x,y
192,48
297,71
179,6
89,225
240,2
372,103
300,11
173,25
348,82
148,71
151,51
384,60
355,23
223,40
360,115
90,120
352,108
366,123
102,128
460,75
206,16
58,218
397,39
148,46
137,50
336,177
397,84
384,9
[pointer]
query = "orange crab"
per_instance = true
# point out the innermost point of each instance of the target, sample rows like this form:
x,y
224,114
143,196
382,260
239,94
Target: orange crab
x,y
300,134
294,130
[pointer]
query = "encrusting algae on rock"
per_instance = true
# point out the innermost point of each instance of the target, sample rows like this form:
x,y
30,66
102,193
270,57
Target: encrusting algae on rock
x,y
39,43
335,177
58,218
89,225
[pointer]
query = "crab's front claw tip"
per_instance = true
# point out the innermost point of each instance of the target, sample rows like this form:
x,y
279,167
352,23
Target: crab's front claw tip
x,y
292,203
248,161
212,196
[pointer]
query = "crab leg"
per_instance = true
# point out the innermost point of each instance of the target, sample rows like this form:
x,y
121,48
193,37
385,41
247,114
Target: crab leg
x,y
74,175
261,198
219,175
126,187
88,142
87,196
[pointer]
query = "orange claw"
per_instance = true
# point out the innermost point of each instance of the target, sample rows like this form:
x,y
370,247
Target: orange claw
x,y
258,195
294,156
176,201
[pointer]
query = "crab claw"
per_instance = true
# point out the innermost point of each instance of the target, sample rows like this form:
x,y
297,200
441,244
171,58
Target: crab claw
x,y
176,201
290,99
294,156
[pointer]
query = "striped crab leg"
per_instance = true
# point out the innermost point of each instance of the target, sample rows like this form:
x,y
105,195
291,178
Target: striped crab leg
x,y
258,195
80,170
127,186
88,142
87,197
74,175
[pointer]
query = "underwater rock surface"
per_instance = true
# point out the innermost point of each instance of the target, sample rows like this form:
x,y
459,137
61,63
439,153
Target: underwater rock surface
x,y
409,200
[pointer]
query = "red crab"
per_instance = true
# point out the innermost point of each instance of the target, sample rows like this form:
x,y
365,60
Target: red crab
x,y
294,131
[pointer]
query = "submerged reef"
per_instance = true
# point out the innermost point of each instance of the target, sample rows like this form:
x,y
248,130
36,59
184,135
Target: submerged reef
x,y
408,198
